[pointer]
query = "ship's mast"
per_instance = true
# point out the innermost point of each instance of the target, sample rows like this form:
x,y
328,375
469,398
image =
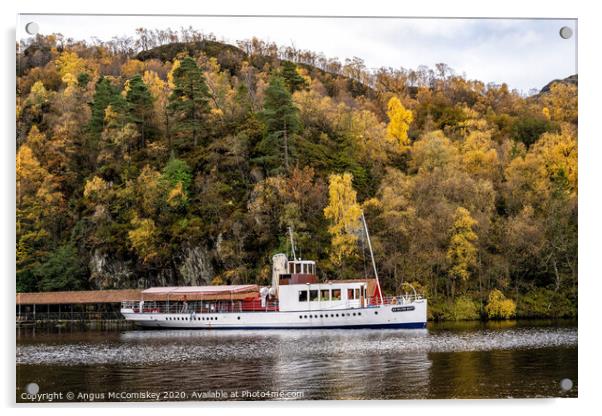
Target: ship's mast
x,y
372,257
290,232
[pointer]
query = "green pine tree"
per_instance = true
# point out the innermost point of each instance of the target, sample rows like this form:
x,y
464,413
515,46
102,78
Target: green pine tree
x,y
105,94
140,108
293,80
188,103
281,120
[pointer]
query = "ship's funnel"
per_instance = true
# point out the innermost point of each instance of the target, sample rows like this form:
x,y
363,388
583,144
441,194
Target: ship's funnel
x,y
279,266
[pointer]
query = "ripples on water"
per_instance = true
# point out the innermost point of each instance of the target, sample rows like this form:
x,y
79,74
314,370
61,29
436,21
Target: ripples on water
x,y
443,362
147,347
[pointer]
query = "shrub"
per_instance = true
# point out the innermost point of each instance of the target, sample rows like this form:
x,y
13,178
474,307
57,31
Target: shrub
x,y
498,307
465,309
462,309
547,303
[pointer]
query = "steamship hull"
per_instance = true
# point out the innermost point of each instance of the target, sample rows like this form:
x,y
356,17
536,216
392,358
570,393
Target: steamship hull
x,y
411,315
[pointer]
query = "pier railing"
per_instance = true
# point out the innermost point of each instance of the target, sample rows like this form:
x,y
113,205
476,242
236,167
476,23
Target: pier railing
x,y
69,316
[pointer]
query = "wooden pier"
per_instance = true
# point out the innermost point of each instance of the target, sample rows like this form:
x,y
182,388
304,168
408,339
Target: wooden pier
x,y
91,308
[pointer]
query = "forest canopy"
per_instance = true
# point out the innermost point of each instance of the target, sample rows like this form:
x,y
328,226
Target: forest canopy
x,y
174,159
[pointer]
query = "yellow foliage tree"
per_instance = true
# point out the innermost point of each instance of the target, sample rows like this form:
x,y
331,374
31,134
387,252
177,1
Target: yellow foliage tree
x,y
479,157
344,212
36,140
558,153
499,307
143,238
95,188
160,92
177,196
433,151
170,80
462,252
368,135
149,190
551,160
399,122
132,67
561,102
69,63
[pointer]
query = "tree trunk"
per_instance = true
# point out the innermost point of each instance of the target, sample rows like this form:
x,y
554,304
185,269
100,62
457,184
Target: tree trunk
x,y
285,147
556,274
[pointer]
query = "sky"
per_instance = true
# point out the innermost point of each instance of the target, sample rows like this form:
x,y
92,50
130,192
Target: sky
x,y
524,53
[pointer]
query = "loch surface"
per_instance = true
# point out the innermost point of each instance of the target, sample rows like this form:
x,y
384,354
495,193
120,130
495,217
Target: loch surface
x,y
463,360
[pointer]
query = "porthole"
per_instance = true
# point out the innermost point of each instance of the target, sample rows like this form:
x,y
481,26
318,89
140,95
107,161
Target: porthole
x,y
359,314
321,316
305,316
238,318
375,312
337,315
300,316
353,313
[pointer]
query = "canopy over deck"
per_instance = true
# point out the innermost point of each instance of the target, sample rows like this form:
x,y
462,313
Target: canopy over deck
x,y
77,297
181,293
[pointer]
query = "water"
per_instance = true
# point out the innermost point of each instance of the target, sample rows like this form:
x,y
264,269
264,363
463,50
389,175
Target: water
x,y
469,360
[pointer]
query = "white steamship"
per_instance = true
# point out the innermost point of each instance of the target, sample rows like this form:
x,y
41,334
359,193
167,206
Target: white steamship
x,y
295,299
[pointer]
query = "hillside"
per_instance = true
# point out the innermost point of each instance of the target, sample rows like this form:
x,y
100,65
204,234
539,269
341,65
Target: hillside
x,y
144,163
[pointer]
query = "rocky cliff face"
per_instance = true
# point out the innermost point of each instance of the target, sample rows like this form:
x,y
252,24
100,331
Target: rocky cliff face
x,y
573,79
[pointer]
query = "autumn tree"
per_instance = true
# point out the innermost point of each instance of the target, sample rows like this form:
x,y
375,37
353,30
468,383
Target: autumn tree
x,y
462,252
399,122
344,214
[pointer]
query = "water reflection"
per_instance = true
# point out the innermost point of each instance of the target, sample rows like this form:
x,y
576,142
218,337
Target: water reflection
x,y
442,362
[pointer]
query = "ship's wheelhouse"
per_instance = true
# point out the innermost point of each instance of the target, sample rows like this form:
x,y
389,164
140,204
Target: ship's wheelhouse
x,y
302,267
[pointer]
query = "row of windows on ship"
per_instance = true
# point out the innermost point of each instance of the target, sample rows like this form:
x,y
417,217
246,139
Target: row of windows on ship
x,y
324,295
310,316
332,315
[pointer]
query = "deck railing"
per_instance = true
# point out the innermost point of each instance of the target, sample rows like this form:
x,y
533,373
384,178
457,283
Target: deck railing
x,y
393,300
254,305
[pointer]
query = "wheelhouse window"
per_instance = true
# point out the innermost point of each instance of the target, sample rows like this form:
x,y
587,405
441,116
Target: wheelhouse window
x,y
313,295
325,294
357,293
303,296
350,294
336,294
